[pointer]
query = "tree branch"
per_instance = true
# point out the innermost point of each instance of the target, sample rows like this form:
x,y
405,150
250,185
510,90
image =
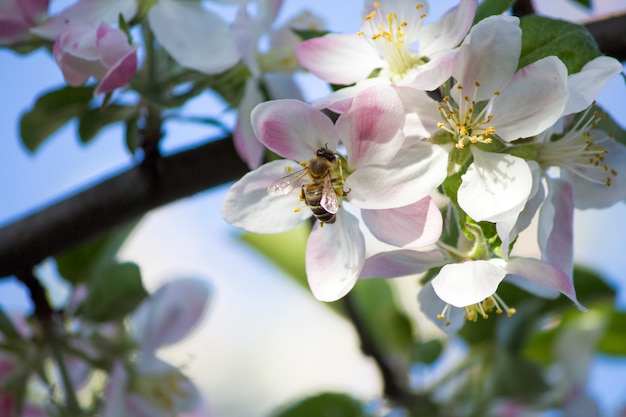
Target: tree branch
x,y
610,34
114,202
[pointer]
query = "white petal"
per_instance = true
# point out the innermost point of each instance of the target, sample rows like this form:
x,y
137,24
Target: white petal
x,y
447,32
467,283
432,306
495,186
335,255
489,55
413,226
414,173
248,205
170,313
193,36
533,101
588,194
584,86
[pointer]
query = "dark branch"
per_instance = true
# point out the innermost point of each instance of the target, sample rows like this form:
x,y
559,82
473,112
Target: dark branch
x,y
114,202
43,309
610,34
523,8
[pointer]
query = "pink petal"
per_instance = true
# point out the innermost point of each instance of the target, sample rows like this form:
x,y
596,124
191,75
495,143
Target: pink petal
x,y
89,13
413,226
556,224
248,147
545,274
170,313
119,75
249,206
400,263
112,45
339,58
335,255
467,283
371,129
293,129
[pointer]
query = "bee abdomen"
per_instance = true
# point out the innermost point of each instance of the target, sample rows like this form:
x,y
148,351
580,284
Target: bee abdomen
x,y
312,194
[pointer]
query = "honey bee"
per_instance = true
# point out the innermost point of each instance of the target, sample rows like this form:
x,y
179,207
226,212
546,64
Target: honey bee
x,y
319,194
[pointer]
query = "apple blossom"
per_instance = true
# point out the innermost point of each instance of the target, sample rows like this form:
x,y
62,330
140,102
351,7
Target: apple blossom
x,y
468,280
87,12
373,177
83,51
387,42
152,387
17,17
587,157
489,106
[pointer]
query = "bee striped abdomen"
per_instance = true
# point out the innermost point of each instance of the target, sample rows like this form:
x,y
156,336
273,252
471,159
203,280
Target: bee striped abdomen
x,y
312,195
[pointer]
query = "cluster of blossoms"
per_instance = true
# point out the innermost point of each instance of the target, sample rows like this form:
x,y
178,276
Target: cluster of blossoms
x,y
139,384
434,110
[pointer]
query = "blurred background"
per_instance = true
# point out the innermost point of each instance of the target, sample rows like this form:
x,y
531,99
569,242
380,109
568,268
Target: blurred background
x,y
265,339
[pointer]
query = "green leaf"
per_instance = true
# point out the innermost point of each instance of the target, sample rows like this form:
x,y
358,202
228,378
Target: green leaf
x,y
81,264
585,3
542,37
7,328
51,111
390,327
491,7
113,293
308,34
427,352
516,376
609,125
94,120
324,405
286,250
131,136
613,342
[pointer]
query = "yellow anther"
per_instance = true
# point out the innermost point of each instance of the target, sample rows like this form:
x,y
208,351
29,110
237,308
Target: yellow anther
x,y
296,210
476,84
288,169
360,33
371,15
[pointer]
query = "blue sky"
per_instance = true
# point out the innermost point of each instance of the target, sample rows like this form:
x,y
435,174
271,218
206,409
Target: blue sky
x,y
254,307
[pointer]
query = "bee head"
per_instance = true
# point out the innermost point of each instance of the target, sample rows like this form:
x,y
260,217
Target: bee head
x,y
326,154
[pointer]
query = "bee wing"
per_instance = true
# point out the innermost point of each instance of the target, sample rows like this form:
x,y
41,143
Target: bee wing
x,y
286,184
329,201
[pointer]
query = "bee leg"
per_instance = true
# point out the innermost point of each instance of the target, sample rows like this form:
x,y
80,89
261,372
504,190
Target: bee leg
x,y
302,195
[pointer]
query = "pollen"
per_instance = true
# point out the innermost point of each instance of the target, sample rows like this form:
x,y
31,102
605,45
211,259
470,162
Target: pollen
x,y
490,304
391,33
581,151
288,168
296,210
467,123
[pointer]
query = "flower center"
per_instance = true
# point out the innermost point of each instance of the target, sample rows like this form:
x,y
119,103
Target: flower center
x,y
580,151
466,120
474,311
389,34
